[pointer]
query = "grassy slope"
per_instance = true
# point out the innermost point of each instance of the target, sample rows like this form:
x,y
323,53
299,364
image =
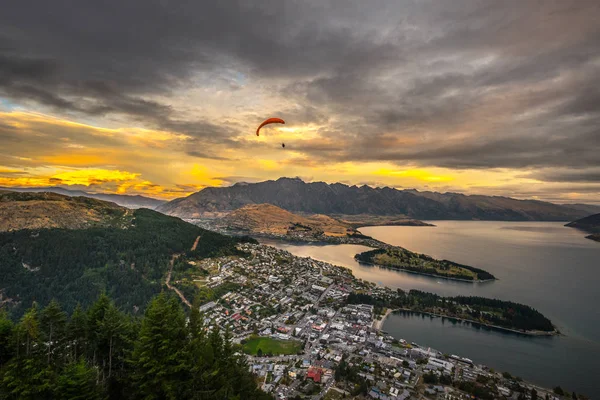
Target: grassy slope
x,y
51,210
267,218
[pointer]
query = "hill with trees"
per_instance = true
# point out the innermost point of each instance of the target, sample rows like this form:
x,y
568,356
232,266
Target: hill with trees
x,y
590,224
76,265
399,258
99,352
480,310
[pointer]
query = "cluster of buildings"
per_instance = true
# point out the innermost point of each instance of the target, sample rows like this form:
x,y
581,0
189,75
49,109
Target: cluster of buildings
x,y
282,298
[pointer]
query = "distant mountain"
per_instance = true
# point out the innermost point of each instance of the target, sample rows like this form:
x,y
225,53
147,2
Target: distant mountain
x,y
588,208
129,201
50,210
294,195
590,224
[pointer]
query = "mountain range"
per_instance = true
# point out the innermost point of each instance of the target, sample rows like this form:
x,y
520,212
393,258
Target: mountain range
x,y
295,195
129,201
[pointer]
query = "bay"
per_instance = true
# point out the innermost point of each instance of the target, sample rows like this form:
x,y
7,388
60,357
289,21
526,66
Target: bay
x,y
542,264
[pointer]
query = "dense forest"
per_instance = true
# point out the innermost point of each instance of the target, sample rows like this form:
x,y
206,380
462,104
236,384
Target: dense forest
x,y
103,353
77,265
501,313
398,257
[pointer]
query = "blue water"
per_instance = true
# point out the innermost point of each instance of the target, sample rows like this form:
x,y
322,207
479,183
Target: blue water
x,y
543,264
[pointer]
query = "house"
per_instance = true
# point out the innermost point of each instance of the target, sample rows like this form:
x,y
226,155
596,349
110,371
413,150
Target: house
x,y
315,374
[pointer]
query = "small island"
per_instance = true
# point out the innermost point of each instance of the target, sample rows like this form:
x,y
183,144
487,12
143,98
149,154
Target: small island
x,y
402,259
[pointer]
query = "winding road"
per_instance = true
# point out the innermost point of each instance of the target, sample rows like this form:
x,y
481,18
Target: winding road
x,y
168,280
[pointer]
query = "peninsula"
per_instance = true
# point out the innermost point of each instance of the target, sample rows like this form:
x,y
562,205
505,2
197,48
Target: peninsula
x,y
590,224
398,258
271,222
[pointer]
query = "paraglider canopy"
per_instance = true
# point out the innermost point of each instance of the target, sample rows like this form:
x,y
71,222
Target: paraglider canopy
x,y
269,121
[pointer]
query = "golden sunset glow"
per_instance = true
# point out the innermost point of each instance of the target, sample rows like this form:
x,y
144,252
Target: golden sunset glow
x,y
133,160
418,174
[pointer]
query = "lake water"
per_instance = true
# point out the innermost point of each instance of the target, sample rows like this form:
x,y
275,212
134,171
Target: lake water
x,y
542,264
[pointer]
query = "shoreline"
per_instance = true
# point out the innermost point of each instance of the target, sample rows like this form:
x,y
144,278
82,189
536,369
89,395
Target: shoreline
x,y
555,332
378,323
426,274
297,241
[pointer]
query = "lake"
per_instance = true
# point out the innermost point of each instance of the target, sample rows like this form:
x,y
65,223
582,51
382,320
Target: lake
x,y
542,264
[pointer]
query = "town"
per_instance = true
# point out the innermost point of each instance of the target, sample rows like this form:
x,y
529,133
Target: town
x,y
305,335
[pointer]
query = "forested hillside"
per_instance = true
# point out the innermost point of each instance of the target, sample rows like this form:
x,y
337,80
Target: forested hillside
x,y
397,257
77,265
500,313
103,353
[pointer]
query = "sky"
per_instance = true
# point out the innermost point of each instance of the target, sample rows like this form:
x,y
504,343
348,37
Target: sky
x,y
162,98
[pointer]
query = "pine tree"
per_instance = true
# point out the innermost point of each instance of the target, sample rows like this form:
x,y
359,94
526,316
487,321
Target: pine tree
x,y
28,378
77,332
95,316
78,382
158,357
27,332
166,358
6,331
111,330
53,322
196,326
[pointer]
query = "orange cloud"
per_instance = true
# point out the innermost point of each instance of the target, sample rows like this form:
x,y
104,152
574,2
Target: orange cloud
x,y
418,174
89,177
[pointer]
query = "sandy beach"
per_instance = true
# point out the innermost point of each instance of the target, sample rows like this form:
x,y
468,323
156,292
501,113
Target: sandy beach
x,y
378,323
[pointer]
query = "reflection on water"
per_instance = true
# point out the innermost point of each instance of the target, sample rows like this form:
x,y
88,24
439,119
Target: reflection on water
x,y
548,361
543,264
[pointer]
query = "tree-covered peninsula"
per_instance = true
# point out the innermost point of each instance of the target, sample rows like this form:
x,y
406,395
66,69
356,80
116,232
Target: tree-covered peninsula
x,y
399,258
497,313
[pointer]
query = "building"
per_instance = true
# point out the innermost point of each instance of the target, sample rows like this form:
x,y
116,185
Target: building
x,y
315,374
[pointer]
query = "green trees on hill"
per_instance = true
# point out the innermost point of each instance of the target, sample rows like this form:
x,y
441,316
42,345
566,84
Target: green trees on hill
x,y
496,312
102,353
398,257
506,314
77,265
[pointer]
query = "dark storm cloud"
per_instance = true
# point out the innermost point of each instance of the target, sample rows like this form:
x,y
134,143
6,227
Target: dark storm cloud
x,y
460,84
587,175
200,154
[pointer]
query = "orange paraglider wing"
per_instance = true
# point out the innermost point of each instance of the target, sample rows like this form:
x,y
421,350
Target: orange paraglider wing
x,y
269,121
